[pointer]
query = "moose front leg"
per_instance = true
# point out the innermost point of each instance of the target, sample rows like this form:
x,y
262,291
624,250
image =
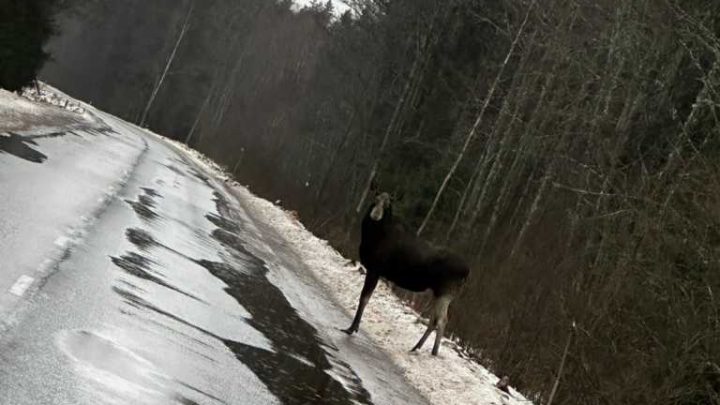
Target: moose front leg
x,y
371,281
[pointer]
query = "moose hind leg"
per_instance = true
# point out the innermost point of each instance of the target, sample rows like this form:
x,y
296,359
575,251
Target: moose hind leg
x,y
441,309
428,331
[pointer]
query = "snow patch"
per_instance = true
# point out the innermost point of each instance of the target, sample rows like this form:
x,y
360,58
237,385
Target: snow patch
x,y
47,95
339,7
21,285
47,111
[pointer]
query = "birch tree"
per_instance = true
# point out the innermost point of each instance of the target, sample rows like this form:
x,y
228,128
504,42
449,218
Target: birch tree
x,y
477,123
168,64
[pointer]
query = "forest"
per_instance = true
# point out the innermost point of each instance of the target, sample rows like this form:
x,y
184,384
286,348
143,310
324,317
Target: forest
x,y
25,27
568,149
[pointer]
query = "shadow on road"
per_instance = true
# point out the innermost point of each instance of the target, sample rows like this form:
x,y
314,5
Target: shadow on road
x,y
18,145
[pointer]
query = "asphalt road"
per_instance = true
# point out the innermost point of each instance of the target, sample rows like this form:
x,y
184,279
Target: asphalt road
x,y
131,276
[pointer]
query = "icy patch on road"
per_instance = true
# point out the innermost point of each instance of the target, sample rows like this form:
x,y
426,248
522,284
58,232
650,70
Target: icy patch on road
x,y
450,378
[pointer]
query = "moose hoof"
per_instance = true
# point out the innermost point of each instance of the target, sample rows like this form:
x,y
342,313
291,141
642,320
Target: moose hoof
x,y
349,331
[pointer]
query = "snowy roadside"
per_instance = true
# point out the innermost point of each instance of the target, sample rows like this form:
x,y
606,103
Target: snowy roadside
x,y
46,94
450,378
31,113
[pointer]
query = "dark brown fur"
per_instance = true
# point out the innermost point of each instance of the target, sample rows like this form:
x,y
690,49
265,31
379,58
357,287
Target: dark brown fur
x,y
387,251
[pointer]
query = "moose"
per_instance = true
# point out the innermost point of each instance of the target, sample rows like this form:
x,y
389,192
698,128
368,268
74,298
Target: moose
x,y
387,251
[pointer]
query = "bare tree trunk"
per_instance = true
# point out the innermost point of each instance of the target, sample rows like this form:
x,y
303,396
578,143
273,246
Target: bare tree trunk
x,y
504,140
488,148
399,106
476,125
532,125
198,116
225,95
517,164
700,101
556,384
550,171
333,157
494,170
473,186
463,199
238,162
171,58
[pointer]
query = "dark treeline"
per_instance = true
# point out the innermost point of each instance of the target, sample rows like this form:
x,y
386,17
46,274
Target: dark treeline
x,y
568,148
25,27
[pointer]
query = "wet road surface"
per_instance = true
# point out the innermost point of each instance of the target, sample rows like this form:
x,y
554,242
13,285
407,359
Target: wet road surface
x,y
172,294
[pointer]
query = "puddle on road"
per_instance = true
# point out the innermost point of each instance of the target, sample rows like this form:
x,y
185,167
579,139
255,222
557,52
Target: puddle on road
x,y
151,192
189,168
298,373
174,169
293,381
271,313
140,238
223,223
145,204
140,266
207,313
293,362
285,373
144,240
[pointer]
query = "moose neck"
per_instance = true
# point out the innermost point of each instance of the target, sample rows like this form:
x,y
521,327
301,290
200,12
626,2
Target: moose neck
x,y
373,231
